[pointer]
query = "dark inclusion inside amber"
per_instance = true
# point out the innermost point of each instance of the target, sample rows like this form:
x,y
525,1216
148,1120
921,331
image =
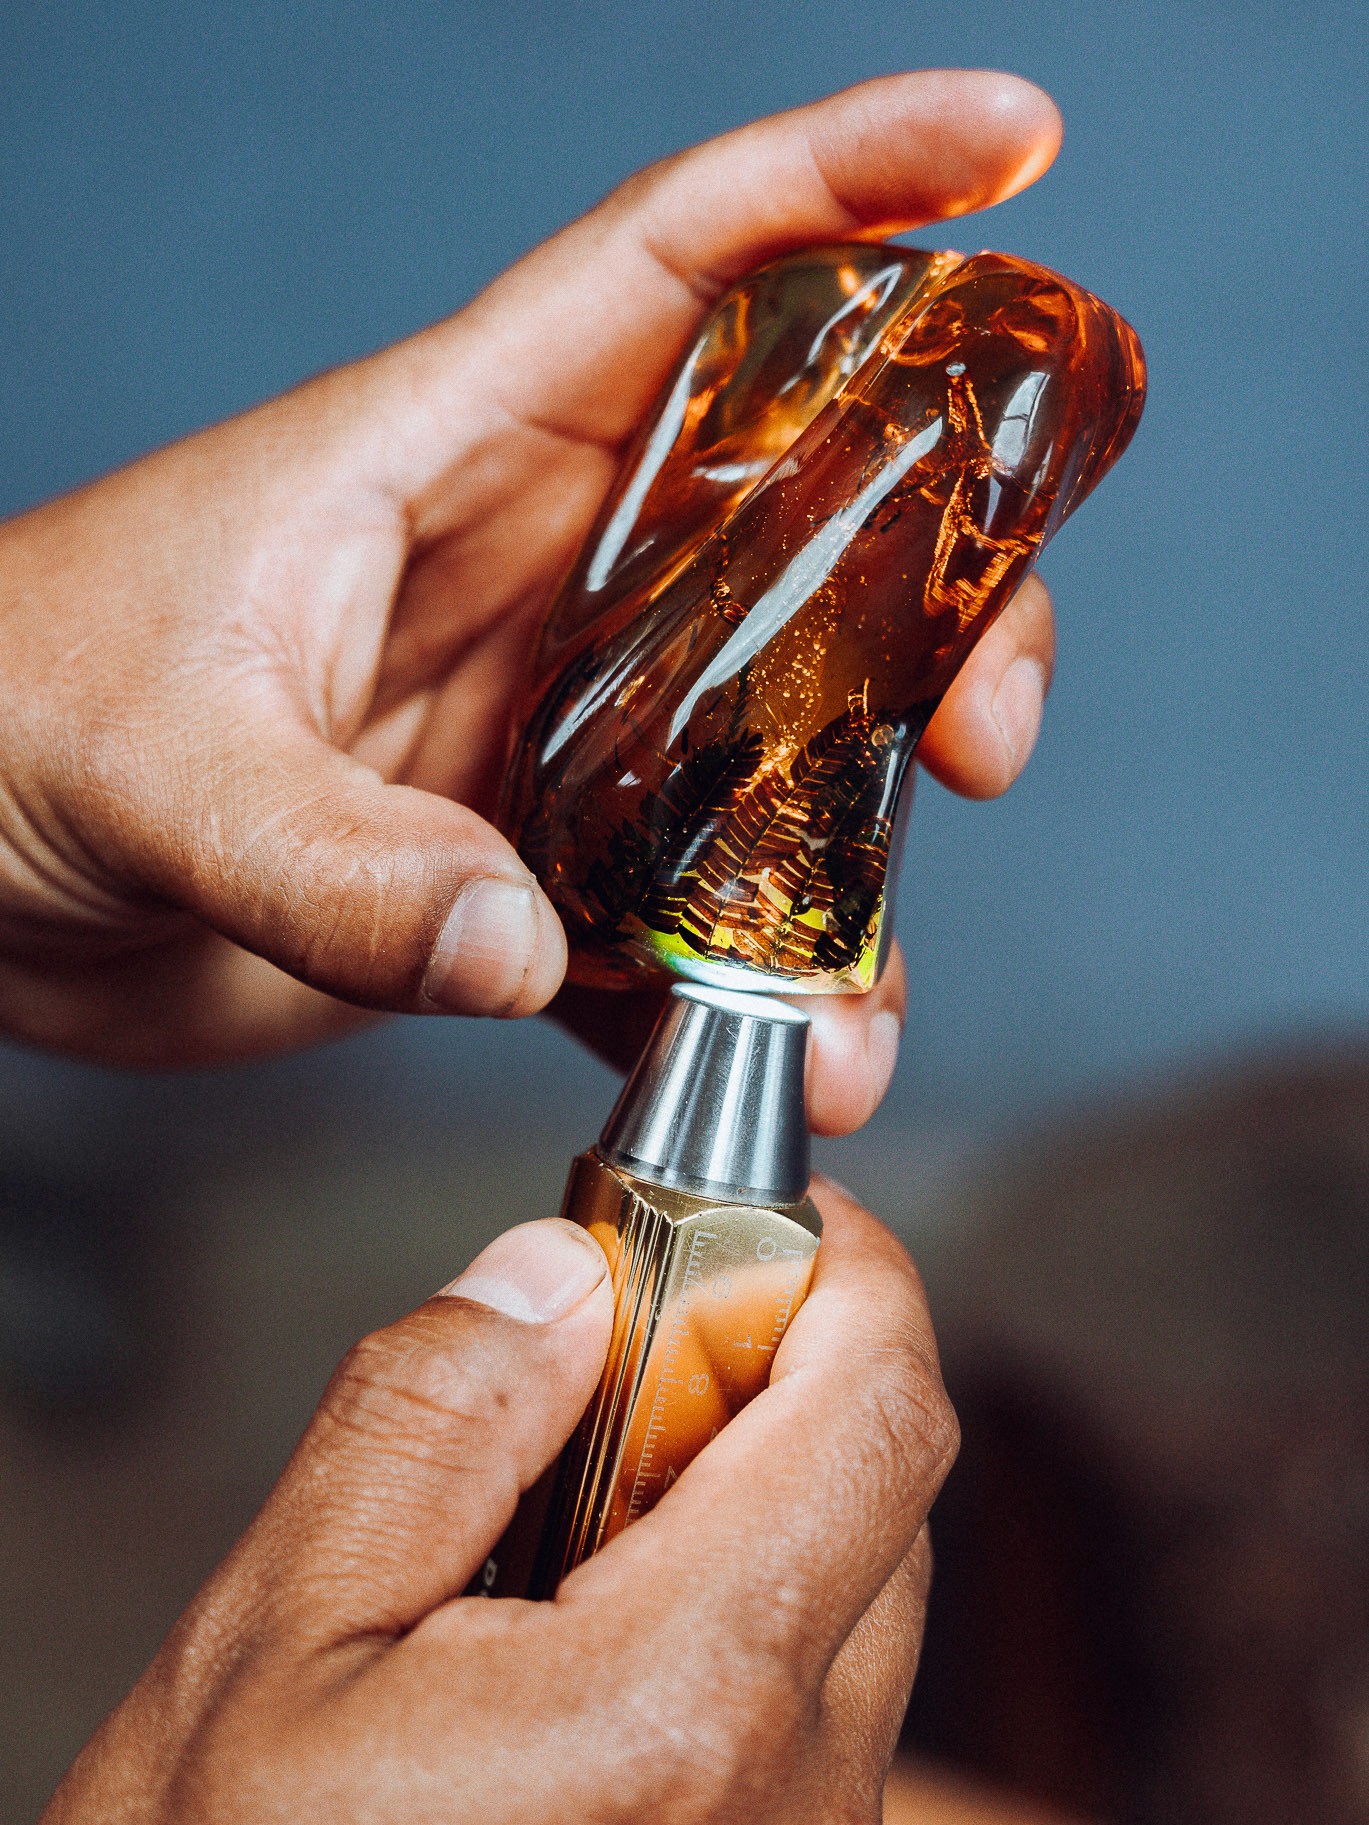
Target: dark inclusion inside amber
x,y
844,482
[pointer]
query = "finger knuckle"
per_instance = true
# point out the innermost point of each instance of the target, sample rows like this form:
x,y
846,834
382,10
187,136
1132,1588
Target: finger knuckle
x,y
914,1426
404,1388
634,199
351,928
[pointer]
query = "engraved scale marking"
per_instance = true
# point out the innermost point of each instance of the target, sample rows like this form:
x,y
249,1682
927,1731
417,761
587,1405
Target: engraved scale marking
x,y
675,1336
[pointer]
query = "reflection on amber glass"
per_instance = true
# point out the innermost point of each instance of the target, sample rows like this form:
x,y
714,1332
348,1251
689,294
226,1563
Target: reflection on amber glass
x,y
845,481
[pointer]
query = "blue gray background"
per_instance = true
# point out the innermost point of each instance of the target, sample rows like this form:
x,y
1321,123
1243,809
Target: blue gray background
x,y
200,204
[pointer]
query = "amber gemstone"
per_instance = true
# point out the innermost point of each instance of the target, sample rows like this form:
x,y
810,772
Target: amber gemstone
x,y
841,486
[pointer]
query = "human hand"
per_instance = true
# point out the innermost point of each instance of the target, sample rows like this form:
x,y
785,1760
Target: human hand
x,y
257,687
744,1651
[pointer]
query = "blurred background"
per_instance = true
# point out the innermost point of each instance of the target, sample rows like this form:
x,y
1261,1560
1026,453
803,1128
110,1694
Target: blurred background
x,y
1129,1137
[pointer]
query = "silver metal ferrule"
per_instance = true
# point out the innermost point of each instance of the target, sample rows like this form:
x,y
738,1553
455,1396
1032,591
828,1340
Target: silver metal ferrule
x,y
716,1103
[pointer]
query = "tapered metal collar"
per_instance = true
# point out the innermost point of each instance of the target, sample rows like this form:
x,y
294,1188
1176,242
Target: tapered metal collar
x,y
715,1104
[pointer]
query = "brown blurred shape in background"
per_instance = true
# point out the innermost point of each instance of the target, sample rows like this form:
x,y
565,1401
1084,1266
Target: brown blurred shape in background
x,y
1152,1595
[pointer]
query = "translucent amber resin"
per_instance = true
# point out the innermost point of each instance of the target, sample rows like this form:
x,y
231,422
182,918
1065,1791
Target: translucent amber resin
x,y
846,479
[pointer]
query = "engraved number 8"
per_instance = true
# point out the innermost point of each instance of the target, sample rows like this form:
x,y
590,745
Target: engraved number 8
x,y
698,1384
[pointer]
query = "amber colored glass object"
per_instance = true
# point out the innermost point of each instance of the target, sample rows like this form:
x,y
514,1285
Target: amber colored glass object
x,y
844,482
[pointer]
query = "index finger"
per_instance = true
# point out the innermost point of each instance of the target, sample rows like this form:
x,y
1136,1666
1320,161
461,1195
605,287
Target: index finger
x,y
577,338
780,1535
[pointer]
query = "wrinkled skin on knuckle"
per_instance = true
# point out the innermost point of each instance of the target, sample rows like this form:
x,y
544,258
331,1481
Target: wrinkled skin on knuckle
x,y
346,922
908,1424
357,936
403,1389
224,1628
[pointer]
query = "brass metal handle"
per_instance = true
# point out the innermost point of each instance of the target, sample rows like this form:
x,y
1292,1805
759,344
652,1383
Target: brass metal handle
x,y
703,1293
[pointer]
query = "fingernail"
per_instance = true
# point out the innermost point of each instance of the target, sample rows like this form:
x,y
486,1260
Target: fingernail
x,y
485,949
1017,706
535,1273
882,1038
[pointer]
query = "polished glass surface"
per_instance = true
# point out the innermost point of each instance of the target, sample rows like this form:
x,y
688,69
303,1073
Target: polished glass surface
x,y
848,476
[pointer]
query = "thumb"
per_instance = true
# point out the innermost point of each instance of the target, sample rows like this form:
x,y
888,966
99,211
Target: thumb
x,y
383,895
427,1435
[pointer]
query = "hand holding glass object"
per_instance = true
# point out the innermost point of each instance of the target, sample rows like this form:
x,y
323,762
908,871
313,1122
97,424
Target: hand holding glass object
x,y
844,482
840,488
